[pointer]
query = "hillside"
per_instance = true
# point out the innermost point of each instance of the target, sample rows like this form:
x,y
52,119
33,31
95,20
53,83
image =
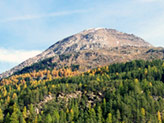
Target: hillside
x,y
129,92
89,49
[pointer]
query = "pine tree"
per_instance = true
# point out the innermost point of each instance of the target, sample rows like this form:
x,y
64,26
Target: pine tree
x,y
7,118
62,116
39,119
118,115
22,120
48,119
86,117
14,118
56,117
92,115
35,120
32,113
104,107
71,115
76,110
1,116
109,118
99,115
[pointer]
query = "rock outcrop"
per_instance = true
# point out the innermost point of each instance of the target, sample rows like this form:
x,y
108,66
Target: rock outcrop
x,y
94,47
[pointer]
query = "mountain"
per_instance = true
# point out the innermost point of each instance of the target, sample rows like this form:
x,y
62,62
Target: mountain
x,y
52,87
91,48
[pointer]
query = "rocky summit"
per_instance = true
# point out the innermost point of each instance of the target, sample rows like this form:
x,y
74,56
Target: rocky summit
x,y
91,48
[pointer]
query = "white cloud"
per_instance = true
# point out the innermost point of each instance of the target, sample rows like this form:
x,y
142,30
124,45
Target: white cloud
x,y
39,16
16,56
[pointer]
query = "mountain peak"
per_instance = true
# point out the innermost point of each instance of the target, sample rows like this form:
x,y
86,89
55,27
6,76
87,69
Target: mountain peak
x,y
98,38
97,42
93,29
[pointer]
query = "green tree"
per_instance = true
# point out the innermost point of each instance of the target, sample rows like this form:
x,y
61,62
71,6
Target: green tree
x,y
35,120
1,116
48,119
104,107
7,118
109,118
14,118
56,116
92,115
32,113
22,120
24,112
99,115
118,115
76,110
15,115
62,116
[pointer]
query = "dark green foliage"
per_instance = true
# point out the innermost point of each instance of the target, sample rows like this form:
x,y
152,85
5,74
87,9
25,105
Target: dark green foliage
x,y
64,56
75,67
45,64
131,93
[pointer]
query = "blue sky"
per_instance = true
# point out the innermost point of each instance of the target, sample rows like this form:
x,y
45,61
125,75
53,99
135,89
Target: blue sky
x,y
28,27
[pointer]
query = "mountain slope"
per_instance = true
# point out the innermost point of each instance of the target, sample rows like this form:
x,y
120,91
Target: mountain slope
x,y
91,48
129,92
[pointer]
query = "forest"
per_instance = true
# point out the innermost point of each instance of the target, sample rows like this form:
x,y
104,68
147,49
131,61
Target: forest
x,y
131,92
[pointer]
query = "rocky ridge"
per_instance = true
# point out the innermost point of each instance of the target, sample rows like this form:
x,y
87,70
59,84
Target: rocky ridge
x,y
93,47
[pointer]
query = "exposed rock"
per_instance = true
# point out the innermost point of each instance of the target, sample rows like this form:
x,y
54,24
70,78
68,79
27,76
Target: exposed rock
x,y
66,97
94,47
46,99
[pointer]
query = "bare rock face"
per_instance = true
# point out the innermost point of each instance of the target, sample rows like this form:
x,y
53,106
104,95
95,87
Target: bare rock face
x,y
97,39
90,48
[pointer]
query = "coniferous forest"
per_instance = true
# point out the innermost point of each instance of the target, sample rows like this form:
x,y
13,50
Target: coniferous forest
x,y
131,92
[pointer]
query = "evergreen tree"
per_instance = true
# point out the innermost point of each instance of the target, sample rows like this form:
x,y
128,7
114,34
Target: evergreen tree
x,y
109,118
35,120
1,116
99,115
118,115
76,110
32,113
56,117
48,119
14,118
104,107
22,120
7,118
62,116
92,116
